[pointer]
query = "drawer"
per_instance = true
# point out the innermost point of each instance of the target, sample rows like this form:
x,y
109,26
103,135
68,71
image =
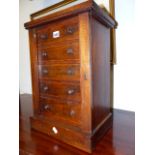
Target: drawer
x,y
69,91
62,51
69,135
60,109
63,30
60,72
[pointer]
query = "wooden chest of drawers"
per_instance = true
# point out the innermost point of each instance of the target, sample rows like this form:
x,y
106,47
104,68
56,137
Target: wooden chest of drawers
x,y
70,63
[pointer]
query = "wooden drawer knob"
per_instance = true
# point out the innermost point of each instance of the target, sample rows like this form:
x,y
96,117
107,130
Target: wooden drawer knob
x,y
44,54
43,36
47,107
45,71
70,71
71,91
70,51
72,113
45,88
70,30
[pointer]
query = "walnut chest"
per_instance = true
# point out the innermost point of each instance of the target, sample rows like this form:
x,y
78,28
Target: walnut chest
x,y
71,72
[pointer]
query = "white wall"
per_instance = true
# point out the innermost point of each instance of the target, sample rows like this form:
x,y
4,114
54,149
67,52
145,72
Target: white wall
x,y
26,7
123,70
124,77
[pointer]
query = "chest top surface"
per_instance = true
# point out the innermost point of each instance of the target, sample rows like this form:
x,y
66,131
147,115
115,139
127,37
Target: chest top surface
x,y
85,6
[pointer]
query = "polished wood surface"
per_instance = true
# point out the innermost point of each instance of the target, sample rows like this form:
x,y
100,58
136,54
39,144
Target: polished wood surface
x,y
84,78
34,69
101,72
85,71
65,72
68,30
87,6
69,91
64,134
120,140
62,110
67,51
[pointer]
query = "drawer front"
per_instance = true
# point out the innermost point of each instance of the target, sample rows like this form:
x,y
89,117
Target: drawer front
x,y
61,51
60,72
67,135
69,91
58,31
62,109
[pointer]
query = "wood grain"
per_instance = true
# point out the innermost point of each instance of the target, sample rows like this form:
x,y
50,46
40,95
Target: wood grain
x,y
65,72
83,78
90,5
67,111
68,50
120,140
34,70
61,89
85,72
101,72
68,31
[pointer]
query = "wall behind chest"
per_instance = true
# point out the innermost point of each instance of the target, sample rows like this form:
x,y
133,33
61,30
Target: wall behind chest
x,y
27,7
124,97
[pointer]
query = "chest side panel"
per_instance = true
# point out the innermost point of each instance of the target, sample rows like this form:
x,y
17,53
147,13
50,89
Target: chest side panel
x,y
100,72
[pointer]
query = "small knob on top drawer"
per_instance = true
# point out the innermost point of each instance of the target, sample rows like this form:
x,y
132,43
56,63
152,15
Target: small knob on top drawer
x,y
43,36
70,30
